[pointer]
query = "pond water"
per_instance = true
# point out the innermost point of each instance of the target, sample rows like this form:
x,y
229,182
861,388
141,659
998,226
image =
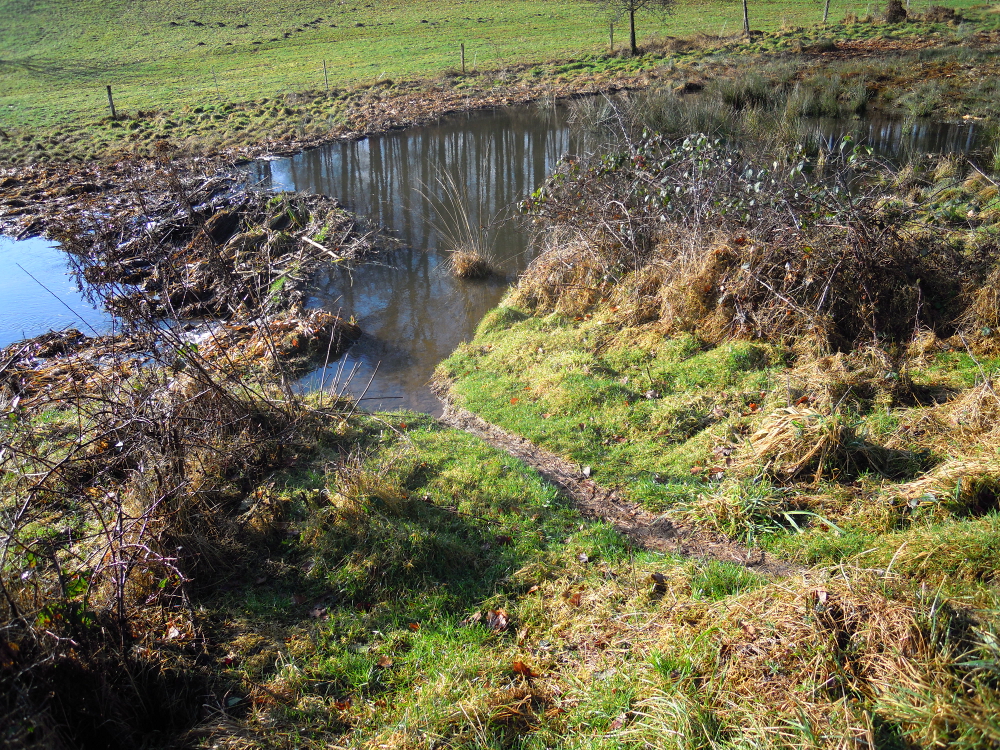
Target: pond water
x,y
412,310
897,140
26,307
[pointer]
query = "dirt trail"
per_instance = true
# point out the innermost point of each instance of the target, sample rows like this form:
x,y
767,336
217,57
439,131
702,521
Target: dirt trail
x,y
643,528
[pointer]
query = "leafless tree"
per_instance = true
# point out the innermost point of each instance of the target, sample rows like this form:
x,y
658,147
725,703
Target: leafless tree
x,y
621,8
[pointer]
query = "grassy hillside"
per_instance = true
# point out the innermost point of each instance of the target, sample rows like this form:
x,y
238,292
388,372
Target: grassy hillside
x,y
57,56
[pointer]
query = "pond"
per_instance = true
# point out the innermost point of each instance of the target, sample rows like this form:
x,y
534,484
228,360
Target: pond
x,y
412,310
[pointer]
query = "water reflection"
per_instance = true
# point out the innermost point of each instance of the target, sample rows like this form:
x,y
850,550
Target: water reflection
x,y
413,312
900,140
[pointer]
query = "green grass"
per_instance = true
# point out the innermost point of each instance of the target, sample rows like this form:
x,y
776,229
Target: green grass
x,y
373,625
236,78
642,413
663,420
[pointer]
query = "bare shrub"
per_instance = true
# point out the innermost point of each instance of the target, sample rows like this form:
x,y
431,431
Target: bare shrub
x,y
745,248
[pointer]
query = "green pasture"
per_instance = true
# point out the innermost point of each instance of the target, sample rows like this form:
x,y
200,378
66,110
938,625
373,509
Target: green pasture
x,y
57,56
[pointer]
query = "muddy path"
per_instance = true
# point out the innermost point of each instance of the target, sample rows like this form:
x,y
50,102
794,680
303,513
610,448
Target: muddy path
x,y
644,529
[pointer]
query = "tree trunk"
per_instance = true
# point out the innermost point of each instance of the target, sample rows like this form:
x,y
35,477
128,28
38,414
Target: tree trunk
x,y
631,19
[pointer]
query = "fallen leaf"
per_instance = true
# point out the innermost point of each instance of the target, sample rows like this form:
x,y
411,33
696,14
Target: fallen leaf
x,y
546,415
173,633
414,626
586,471
582,557
317,612
523,669
533,589
659,582
343,705
514,400
619,722
385,662
503,540
497,620
472,619
574,600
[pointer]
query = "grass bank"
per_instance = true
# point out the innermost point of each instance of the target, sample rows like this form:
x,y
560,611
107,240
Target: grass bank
x,y
703,337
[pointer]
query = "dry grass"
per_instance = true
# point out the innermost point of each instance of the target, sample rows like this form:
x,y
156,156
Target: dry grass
x,y
567,276
965,486
807,661
867,375
983,312
977,410
469,264
796,440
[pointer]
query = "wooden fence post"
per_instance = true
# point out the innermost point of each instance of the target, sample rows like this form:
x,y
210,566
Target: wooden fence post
x,y
111,103
463,58
326,77
611,33
826,10
746,19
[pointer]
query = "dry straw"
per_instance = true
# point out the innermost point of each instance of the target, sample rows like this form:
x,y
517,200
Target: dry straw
x,y
793,440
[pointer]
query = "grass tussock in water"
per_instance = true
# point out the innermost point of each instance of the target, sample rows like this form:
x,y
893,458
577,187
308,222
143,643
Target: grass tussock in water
x,y
468,264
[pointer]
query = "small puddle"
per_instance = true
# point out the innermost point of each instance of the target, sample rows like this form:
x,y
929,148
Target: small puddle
x,y
29,309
